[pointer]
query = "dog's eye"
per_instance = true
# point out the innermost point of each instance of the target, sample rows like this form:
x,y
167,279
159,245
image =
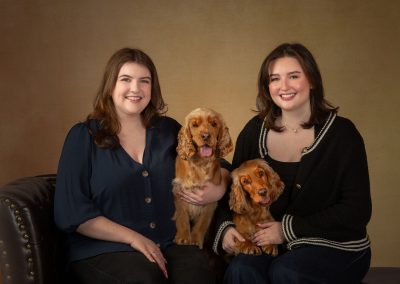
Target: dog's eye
x,y
245,181
261,173
214,124
195,124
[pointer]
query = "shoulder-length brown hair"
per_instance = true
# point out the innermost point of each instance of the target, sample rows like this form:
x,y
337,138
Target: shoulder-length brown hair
x,y
268,110
103,107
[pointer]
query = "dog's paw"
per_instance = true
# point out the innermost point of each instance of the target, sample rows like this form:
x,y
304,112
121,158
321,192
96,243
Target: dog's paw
x,y
271,249
182,241
252,250
247,248
197,243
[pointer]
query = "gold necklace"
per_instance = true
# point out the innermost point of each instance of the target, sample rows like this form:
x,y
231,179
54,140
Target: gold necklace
x,y
294,130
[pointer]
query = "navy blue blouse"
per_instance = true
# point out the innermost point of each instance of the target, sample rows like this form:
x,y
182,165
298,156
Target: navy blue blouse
x,y
93,181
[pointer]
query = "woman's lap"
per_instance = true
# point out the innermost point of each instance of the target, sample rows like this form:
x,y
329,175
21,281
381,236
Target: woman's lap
x,y
320,265
117,267
188,264
185,264
302,265
248,269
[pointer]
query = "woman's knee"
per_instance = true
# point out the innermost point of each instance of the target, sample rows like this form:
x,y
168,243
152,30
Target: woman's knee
x,y
247,269
281,273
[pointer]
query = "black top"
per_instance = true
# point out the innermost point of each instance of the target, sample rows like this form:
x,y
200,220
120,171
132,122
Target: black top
x,y
93,181
330,203
287,172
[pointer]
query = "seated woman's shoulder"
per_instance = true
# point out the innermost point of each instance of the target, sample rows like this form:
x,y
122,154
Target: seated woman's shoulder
x,y
166,121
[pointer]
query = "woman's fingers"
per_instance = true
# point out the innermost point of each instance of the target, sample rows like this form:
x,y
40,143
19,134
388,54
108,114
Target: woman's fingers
x,y
230,237
193,196
151,251
160,260
271,234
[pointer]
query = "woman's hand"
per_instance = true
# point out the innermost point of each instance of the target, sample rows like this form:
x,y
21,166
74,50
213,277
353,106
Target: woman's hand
x,y
271,233
103,228
229,239
208,192
150,250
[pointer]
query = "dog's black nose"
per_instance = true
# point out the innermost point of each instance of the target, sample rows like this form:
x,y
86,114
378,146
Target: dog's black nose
x,y
262,192
205,136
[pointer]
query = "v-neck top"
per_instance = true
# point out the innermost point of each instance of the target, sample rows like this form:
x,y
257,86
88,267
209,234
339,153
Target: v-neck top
x,y
94,181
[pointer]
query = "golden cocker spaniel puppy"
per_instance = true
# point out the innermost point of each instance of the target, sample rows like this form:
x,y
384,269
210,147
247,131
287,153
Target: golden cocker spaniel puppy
x,y
202,141
255,186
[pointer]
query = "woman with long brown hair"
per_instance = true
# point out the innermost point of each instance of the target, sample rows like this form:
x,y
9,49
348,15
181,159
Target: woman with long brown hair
x,y
321,217
114,194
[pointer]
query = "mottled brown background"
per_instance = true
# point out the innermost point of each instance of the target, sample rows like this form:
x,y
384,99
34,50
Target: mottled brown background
x,y
208,53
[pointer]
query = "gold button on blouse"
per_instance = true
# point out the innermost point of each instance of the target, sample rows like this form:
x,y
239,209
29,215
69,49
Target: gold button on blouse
x,y
152,225
147,200
145,173
298,186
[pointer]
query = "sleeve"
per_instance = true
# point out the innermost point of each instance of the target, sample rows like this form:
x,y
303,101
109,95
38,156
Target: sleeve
x,y
247,143
349,215
226,165
73,204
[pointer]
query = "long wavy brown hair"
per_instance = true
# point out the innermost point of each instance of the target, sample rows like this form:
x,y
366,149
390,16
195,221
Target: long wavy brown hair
x,y
268,110
103,107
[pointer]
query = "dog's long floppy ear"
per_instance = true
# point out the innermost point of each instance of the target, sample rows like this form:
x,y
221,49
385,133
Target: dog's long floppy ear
x,y
225,145
185,146
275,182
237,199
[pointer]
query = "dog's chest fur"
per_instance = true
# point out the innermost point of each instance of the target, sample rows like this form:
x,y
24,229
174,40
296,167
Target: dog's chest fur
x,y
246,224
194,172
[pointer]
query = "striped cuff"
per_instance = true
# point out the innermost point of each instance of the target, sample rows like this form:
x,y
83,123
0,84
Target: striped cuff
x,y
287,228
221,229
357,245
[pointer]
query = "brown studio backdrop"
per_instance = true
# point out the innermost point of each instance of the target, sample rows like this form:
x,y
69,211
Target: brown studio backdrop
x,y
207,53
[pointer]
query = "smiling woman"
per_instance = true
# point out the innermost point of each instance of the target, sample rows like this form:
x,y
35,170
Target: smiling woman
x,y
113,194
128,72
132,91
322,214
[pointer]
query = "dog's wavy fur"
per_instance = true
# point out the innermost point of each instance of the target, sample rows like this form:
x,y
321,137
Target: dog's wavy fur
x,y
255,185
202,141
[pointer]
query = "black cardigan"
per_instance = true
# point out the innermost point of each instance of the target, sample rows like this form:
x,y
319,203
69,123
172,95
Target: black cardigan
x,y
330,203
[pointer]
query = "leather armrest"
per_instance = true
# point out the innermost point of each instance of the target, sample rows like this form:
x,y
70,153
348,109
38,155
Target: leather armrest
x,y
32,250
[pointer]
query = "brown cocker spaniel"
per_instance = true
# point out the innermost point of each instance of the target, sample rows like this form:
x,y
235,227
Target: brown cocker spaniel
x,y
254,187
202,141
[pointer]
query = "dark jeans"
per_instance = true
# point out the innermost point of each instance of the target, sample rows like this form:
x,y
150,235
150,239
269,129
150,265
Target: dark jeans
x,y
185,264
300,266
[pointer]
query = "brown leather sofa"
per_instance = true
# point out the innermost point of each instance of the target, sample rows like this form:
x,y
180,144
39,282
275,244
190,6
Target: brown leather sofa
x,y
32,249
